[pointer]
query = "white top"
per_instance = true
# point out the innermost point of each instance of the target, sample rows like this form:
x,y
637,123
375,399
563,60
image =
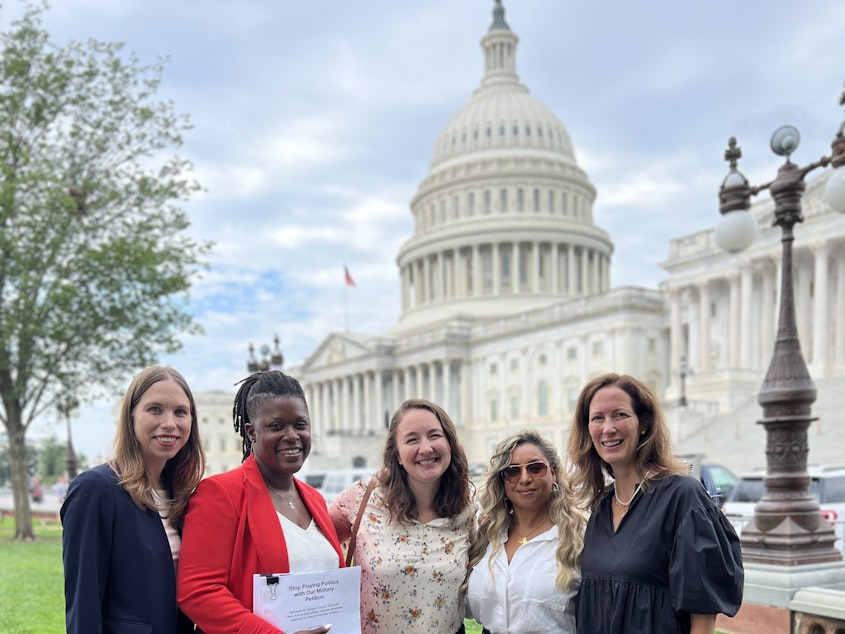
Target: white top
x,y
521,597
410,572
163,503
308,548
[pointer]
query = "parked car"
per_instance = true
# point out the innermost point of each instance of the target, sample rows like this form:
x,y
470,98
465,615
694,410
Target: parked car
x,y
827,485
717,479
337,481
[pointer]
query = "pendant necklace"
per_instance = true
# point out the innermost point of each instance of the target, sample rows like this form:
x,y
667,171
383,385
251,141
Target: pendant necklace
x,y
284,499
524,539
628,503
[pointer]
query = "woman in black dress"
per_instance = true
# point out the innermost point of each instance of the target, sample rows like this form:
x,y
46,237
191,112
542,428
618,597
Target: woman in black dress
x,y
659,555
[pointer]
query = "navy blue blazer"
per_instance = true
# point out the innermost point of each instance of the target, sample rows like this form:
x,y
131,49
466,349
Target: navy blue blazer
x,y
119,574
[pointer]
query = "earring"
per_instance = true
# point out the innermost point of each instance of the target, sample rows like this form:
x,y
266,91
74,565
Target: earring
x,y
642,433
555,488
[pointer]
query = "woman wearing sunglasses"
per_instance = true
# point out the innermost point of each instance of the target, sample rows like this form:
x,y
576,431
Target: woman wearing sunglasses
x,y
659,555
524,560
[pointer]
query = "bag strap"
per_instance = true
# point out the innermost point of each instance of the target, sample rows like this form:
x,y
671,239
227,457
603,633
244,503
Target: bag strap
x,y
351,548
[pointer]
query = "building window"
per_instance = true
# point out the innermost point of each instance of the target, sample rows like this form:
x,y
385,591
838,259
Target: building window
x,y
551,201
563,208
572,353
713,309
456,207
506,268
536,199
527,130
503,201
572,398
501,130
514,407
494,410
222,444
541,360
516,130
471,204
542,399
486,201
514,365
598,348
489,131
494,369
652,344
520,200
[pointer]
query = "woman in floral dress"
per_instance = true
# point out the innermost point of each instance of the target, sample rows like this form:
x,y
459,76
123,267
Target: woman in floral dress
x,y
413,541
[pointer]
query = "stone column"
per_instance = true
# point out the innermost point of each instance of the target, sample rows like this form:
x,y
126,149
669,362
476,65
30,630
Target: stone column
x,y
496,264
821,252
447,384
369,378
734,326
675,328
746,285
477,273
768,310
703,327
839,326
338,397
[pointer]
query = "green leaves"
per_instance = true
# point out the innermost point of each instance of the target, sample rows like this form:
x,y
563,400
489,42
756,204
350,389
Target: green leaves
x,y
94,262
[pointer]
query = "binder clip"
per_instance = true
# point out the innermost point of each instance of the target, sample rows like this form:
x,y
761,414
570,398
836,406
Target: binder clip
x,y
273,583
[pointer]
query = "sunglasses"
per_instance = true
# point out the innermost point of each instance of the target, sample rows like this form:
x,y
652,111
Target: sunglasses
x,y
512,473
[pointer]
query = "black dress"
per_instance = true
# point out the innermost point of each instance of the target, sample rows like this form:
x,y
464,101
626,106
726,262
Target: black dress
x,y
674,554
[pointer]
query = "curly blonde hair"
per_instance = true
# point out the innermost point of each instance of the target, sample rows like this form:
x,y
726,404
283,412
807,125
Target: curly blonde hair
x,y
495,517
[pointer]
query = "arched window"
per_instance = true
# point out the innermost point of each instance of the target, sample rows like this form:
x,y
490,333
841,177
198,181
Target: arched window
x,y
543,399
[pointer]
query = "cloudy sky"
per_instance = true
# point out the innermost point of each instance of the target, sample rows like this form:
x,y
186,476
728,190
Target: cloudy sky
x,y
314,123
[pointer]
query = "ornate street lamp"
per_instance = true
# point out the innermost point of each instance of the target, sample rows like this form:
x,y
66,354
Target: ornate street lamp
x,y
268,361
787,527
66,406
683,370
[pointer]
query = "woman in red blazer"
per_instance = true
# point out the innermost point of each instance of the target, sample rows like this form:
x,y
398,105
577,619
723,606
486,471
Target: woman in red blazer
x,y
240,523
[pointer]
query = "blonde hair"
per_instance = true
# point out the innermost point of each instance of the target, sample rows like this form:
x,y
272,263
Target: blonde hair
x,y
653,455
181,474
495,517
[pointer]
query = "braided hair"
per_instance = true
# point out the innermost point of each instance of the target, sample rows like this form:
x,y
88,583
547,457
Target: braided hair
x,y
255,390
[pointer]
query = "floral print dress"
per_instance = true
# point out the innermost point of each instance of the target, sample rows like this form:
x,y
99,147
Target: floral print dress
x,y
410,572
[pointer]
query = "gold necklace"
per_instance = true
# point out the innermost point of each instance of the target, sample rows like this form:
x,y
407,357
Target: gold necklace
x,y
525,536
284,499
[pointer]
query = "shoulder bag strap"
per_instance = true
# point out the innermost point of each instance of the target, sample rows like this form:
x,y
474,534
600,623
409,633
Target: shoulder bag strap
x,y
350,551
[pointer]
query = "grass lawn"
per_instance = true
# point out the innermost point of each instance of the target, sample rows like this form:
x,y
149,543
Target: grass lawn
x,y
32,599
472,627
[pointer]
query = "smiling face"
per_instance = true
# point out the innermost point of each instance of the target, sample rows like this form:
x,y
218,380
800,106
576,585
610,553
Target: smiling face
x,y
614,427
161,421
423,448
280,431
530,491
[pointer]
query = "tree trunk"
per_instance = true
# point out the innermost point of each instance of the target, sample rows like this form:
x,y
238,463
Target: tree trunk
x,y
20,477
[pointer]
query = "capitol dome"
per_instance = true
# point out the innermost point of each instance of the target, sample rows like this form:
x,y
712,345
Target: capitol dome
x,y
503,220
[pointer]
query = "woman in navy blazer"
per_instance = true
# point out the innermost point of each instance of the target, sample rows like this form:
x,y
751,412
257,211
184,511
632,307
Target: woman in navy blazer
x,y
122,519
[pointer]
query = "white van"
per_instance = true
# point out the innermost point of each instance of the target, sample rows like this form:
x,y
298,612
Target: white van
x,y
337,481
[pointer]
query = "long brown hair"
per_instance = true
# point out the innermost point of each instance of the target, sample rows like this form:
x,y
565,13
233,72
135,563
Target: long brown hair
x,y
653,455
181,474
454,493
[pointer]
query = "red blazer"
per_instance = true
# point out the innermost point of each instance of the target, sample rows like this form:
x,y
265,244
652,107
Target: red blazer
x,y
232,532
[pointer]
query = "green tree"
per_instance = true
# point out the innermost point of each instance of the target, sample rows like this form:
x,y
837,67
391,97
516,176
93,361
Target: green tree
x,y
95,266
52,458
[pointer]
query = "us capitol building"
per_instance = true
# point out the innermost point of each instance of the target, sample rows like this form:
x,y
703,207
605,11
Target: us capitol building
x,y
508,310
